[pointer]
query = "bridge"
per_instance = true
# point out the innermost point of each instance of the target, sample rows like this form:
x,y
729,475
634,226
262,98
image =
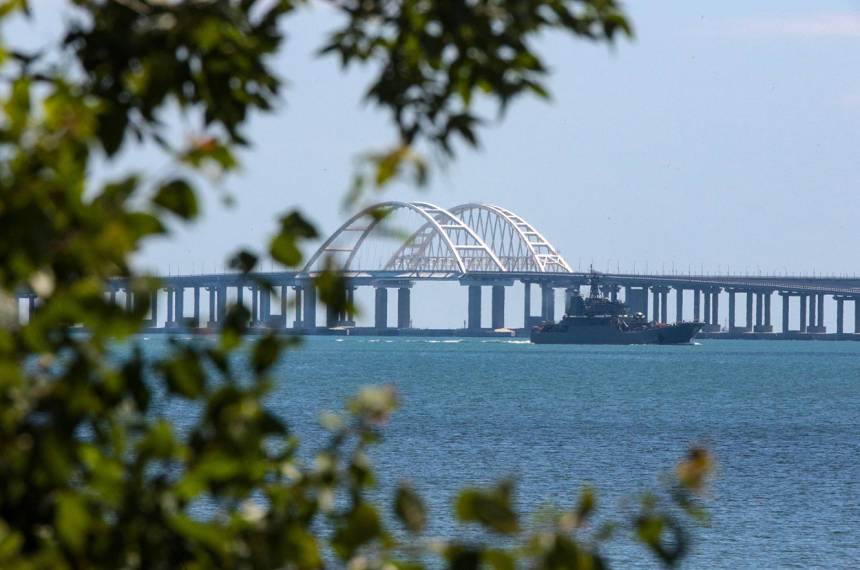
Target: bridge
x,y
395,245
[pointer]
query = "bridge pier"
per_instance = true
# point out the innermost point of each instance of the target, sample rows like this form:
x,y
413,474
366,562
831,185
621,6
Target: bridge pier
x,y
696,304
637,299
255,304
664,302
380,313
655,304
812,306
840,316
265,306
474,322
816,314
547,302
129,300
527,305
404,310
749,321
196,317
297,322
707,319
732,327
856,315
715,306
498,312
767,324
153,307
309,307
169,322
213,316
785,299
179,306
679,305
803,313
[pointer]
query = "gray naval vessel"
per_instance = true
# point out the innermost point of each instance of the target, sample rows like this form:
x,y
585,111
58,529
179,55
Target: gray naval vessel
x,y
598,320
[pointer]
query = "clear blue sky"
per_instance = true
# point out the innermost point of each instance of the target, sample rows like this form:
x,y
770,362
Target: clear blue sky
x,y
726,134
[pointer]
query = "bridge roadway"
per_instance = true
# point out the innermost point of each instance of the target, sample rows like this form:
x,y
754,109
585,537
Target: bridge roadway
x,y
480,246
199,302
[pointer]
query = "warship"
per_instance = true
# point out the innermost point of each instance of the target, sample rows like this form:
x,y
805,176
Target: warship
x,y
598,320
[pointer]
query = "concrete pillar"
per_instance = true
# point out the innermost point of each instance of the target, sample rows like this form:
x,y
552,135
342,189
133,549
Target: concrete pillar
x,y
812,308
679,305
715,319
380,320
169,322
547,302
707,308
265,305
498,307
731,311
404,315
749,323
350,301
696,301
330,317
664,306
767,297
112,295
240,298
255,305
759,309
840,317
785,299
474,307
856,315
613,294
655,305
283,321
196,302
803,313
297,323
31,307
222,303
154,308
179,301
309,306
213,316
527,305
129,300
821,311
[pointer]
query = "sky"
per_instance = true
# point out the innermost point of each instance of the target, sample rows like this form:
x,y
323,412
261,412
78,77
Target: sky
x,y
724,137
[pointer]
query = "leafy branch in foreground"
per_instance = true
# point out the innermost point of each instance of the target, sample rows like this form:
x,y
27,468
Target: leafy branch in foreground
x,y
93,472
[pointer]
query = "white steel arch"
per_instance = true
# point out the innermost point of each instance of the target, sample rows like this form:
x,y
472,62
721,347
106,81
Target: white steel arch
x,y
443,243
517,244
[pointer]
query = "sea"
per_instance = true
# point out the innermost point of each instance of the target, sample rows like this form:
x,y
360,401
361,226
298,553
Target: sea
x,y
781,418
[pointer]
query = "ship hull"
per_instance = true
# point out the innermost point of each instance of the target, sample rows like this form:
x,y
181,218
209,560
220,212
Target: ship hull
x,y
680,333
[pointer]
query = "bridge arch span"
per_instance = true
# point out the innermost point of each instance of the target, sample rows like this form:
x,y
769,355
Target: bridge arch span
x,y
441,243
517,244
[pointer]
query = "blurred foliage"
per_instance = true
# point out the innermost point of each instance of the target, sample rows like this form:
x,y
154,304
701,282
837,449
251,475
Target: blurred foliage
x,y
91,476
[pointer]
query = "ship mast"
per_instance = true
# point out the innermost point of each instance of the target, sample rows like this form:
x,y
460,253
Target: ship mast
x,y
594,282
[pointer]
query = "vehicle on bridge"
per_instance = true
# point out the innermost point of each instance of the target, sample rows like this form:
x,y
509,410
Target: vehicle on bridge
x,y
598,320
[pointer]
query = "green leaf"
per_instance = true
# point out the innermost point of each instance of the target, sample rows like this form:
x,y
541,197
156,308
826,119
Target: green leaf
x,y
361,525
409,509
284,247
244,261
266,352
178,197
491,509
72,520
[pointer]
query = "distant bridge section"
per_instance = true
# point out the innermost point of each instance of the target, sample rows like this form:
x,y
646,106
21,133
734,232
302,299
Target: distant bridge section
x,y
394,245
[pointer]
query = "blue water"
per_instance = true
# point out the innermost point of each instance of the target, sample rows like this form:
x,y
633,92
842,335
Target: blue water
x,y
781,417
